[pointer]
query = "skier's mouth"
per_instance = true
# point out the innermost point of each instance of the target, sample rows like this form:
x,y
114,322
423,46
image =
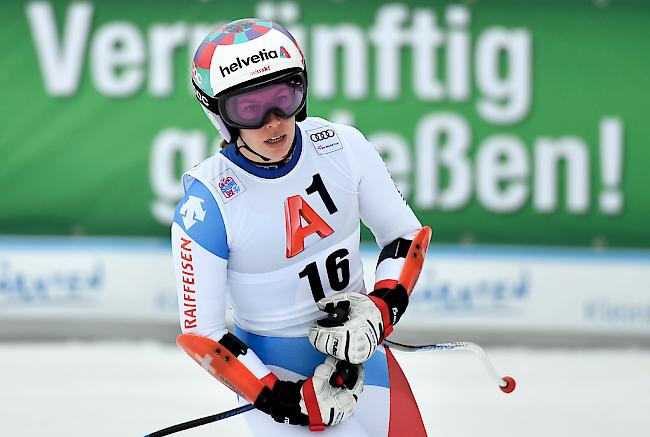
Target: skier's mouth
x,y
276,140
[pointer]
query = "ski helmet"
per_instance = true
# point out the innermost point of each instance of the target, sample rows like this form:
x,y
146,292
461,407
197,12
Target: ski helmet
x,y
241,57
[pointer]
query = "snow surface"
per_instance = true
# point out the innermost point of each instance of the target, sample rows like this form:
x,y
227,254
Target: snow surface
x,y
131,389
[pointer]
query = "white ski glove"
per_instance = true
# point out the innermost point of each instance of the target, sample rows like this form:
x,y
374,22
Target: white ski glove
x,y
325,399
337,386
352,330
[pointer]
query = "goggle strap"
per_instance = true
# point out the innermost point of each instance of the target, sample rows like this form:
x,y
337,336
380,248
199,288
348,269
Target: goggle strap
x,y
209,102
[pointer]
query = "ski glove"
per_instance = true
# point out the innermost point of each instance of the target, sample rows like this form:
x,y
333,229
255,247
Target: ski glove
x,y
357,323
327,398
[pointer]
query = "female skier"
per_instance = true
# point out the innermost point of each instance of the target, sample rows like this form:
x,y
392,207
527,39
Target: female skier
x,y
269,227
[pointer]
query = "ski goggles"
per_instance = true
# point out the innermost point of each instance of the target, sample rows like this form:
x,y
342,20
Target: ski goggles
x,y
250,107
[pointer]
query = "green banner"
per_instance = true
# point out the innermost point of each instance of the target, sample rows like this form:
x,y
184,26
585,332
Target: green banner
x,y
501,121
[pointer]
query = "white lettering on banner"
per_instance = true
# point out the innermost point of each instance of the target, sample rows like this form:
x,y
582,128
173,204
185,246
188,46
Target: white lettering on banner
x,y
458,69
60,61
117,56
170,148
506,100
550,152
501,172
355,52
500,159
427,40
611,159
493,171
147,55
118,51
433,156
164,41
503,175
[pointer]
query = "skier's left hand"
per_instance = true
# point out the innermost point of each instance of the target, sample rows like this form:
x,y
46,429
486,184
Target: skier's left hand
x,y
327,398
352,330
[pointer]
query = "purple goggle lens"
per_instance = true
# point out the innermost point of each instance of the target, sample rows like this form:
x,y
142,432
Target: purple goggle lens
x,y
251,109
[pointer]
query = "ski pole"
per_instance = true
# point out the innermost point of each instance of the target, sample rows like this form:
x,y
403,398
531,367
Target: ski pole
x,y
201,421
345,375
507,384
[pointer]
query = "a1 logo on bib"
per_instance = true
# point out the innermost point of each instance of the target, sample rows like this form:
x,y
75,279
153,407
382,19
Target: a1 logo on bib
x,y
325,140
229,185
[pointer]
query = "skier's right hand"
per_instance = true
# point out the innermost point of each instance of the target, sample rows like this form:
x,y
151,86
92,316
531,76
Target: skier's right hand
x,y
327,398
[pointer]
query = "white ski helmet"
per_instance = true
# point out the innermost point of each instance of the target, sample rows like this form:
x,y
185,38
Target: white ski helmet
x,y
240,56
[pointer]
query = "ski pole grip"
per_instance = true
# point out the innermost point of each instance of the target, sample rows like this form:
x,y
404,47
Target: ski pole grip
x,y
346,375
339,315
336,315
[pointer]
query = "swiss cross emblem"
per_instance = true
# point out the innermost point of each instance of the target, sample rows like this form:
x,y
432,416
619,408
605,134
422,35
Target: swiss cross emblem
x,y
205,362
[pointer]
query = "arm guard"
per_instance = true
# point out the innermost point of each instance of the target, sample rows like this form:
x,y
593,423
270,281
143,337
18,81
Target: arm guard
x,y
224,361
280,401
392,301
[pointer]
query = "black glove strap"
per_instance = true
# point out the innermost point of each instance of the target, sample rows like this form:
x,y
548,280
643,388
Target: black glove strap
x,y
283,403
396,298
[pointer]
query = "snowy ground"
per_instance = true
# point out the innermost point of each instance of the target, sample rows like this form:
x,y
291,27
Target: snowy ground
x,y
131,389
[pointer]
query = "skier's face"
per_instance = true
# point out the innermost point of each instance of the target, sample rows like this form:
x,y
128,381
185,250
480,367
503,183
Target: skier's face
x,y
272,140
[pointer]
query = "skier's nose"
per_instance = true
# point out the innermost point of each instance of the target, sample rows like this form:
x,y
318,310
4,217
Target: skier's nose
x,y
272,119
